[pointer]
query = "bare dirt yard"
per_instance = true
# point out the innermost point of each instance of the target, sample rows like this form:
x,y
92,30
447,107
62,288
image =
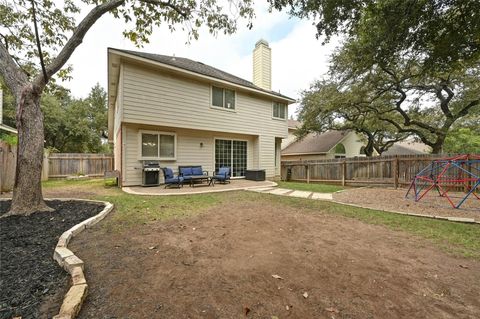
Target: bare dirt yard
x,y
394,200
223,263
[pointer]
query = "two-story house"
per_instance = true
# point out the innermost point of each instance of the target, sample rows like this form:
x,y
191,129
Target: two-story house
x,y
182,112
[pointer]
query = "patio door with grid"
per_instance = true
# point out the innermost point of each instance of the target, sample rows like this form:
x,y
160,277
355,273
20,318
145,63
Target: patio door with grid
x,y
231,153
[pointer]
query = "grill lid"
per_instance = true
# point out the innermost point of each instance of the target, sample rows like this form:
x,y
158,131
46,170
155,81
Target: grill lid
x,y
151,166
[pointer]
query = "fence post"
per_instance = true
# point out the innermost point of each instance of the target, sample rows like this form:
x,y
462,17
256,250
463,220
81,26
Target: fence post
x,y
344,172
396,172
308,173
45,165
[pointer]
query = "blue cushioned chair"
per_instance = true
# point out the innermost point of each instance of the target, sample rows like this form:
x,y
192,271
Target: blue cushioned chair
x,y
223,175
170,179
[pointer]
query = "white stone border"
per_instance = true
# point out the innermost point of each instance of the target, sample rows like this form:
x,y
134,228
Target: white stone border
x,y
73,300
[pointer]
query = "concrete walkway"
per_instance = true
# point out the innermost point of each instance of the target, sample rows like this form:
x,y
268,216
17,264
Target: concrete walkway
x,y
292,193
234,185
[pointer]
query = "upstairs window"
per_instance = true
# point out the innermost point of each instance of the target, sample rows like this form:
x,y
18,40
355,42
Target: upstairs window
x,y
224,98
279,110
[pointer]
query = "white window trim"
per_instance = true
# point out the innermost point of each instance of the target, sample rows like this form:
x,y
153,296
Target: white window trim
x,y
230,139
156,158
234,110
286,112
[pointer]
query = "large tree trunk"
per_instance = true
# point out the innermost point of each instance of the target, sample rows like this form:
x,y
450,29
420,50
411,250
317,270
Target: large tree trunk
x,y
27,191
437,147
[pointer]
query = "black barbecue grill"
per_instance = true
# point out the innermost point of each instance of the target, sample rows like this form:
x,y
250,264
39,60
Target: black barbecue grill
x,y
151,173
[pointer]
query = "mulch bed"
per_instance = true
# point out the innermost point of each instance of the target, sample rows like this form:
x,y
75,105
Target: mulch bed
x,y
32,284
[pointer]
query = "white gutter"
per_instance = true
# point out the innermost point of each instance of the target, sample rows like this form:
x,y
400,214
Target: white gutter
x,y
8,128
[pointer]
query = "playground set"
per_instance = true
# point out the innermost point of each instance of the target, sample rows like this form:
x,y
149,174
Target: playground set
x,y
460,174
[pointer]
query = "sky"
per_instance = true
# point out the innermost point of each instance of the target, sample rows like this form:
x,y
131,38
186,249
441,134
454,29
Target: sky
x,y
298,58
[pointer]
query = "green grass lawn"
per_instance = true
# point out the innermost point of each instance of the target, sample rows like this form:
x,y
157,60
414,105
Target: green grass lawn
x,y
135,210
319,188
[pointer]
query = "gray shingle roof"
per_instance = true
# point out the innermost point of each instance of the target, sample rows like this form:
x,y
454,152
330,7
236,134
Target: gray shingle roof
x,y
315,143
200,68
407,148
293,124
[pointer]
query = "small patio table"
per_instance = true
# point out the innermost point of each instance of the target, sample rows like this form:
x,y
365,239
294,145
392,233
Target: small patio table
x,y
210,181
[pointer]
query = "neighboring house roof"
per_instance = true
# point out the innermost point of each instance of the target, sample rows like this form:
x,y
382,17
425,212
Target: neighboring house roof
x,y
407,148
200,68
294,124
8,128
315,143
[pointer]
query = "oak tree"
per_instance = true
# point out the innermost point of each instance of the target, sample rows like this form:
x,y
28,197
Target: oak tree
x,y
416,63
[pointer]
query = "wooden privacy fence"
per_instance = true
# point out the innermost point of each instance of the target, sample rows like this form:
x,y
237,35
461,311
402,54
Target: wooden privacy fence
x,y
61,165
396,171
55,165
8,160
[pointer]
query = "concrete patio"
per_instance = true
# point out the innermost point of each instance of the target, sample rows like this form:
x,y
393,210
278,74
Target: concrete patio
x,y
235,184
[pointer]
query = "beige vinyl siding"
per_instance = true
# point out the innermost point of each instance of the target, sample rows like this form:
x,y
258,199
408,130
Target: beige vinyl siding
x,y
152,97
117,150
278,143
119,104
188,152
267,154
352,143
117,132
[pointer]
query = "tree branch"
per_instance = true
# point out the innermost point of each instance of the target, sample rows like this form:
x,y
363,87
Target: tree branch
x,y
445,101
77,38
184,12
85,25
13,75
464,111
400,129
39,46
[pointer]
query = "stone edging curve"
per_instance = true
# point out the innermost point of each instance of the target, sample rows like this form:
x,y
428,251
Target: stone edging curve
x,y
73,300
450,219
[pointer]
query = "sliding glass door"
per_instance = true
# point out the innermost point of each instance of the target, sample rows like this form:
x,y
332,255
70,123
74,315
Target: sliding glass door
x,y
231,153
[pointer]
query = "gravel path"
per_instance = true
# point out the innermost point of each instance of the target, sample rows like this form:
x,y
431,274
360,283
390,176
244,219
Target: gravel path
x,y
394,200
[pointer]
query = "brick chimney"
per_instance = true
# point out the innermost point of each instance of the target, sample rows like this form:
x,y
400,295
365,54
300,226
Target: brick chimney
x,y
262,65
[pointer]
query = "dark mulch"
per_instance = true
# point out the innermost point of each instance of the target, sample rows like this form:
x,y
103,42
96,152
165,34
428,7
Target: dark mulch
x,y
29,277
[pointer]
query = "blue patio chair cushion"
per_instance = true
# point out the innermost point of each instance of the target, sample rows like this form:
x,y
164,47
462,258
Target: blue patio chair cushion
x,y
223,174
186,171
197,171
173,180
168,172
221,177
224,171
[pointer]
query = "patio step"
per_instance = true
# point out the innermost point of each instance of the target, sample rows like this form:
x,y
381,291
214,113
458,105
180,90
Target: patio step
x,y
280,191
261,189
292,193
301,194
